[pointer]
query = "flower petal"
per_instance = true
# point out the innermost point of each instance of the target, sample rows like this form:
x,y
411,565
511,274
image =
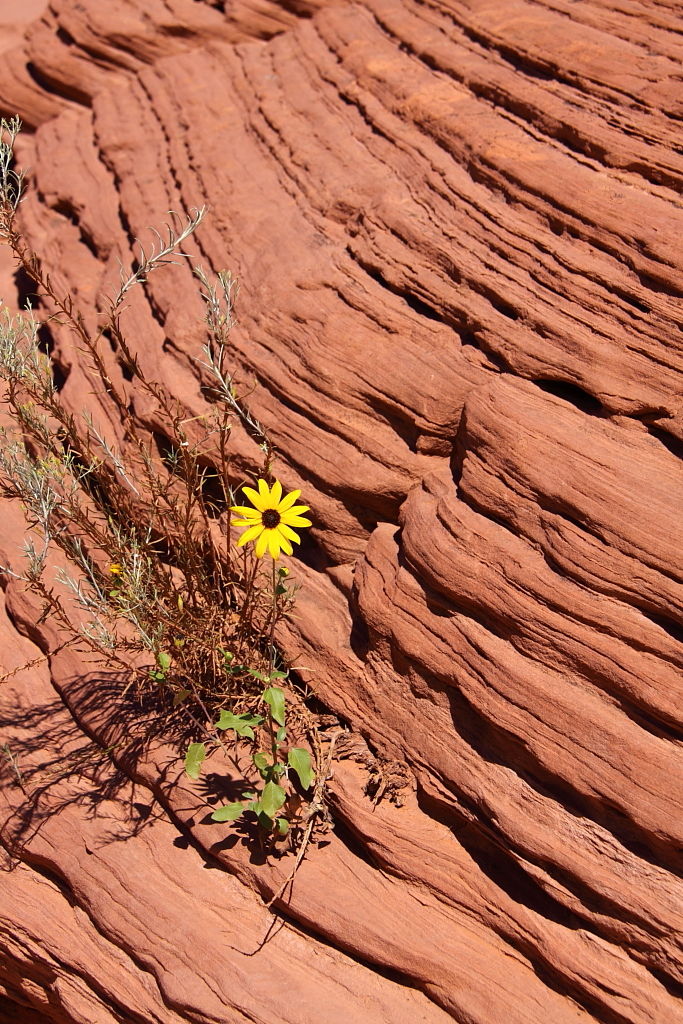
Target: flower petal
x,y
275,494
255,498
251,534
289,520
288,501
296,510
245,510
284,543
262,543
274,541
286,532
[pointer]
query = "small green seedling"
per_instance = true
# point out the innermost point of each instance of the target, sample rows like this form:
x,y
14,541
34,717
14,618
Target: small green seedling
x,y
272,769
229,665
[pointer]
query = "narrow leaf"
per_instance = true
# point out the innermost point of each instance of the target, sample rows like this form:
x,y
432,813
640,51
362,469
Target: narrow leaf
x,y
196,753
272,798
228,812
300,760
275,698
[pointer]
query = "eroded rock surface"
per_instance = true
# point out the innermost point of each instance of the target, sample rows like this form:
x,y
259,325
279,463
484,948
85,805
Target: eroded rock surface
x,y
457,226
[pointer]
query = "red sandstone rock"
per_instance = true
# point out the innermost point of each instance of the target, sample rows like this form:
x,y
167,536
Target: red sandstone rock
x,y
457,228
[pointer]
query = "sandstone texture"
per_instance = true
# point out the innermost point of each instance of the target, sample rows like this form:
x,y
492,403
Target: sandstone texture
x,y
457,225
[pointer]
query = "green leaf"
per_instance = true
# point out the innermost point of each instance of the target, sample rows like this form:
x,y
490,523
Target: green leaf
x,y
248,796
226,720
228,812
196,753
261,761
180,695
251,719
280,590
275,698
258,675
276,674
234,670
264,820
164,661
300,760
272,798
281,734
242,724
282,826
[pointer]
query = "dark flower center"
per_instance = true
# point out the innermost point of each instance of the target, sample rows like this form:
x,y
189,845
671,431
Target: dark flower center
x,y
270,518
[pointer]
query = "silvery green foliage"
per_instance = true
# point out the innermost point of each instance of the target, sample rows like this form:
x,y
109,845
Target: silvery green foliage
x,y
161,256
11,181
43,482
47,477
20,354
219,300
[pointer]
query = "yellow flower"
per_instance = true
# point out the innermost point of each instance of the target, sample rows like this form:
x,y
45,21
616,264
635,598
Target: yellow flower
x,y
270,522
115,569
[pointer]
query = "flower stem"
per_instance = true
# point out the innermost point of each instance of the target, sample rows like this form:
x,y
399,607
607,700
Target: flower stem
x,y
271,658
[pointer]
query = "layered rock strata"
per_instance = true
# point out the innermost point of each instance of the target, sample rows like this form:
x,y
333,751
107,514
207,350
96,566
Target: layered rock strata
x,y
457,228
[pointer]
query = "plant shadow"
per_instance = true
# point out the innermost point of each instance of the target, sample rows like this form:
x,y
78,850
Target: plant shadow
x,y
74,752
